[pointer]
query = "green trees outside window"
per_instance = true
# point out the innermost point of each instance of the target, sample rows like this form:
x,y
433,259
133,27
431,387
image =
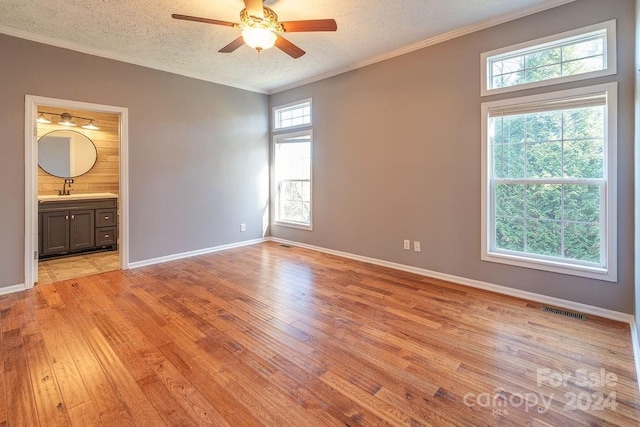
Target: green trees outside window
x,y
548,177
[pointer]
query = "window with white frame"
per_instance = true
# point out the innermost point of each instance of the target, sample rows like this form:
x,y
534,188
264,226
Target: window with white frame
x,y
293,115
579,54
549,181
292,164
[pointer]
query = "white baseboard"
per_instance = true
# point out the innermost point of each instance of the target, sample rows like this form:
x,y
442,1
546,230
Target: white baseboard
x,y
189,254
11,289
558,302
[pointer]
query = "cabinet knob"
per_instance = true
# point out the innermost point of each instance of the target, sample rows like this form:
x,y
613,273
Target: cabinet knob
x,y
106,217
106,236
73,217
66,217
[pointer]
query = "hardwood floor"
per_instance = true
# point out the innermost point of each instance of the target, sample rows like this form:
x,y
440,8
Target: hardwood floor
x,y
269,335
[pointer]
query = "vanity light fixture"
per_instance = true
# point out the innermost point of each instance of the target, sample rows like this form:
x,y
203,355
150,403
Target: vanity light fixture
x,y
43,119
90,125
66,119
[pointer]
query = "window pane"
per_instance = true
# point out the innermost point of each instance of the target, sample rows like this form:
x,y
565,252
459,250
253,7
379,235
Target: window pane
x,y
509,65
514,128
542,58
509,160
294,115
509,200
544,160
544,126
509,79
510,234
582,242
509,157
514,160
584,158
582,203
544,201
583,49
294,160
543,73
306,191
584,123
293,176
583,66
582,52
544,238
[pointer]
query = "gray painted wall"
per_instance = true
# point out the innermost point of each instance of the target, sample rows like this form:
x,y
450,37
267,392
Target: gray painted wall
x,y
637,173
198,152
397,156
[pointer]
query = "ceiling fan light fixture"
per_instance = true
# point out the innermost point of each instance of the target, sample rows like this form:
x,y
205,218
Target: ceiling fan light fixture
x,y
259,38
66,120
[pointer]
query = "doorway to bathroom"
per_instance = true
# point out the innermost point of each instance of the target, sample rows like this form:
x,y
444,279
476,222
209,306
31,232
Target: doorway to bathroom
x,y
76,188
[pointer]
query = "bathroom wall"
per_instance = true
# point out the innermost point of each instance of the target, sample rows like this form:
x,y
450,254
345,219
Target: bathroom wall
x,y
104,176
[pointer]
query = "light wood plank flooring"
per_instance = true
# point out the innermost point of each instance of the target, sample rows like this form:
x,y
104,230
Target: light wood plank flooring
x,y
269,335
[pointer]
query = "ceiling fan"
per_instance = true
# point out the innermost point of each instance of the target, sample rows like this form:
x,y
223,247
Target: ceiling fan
x,y
262,30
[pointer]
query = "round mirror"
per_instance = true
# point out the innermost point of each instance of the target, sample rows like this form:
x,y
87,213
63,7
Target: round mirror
x,y
66,153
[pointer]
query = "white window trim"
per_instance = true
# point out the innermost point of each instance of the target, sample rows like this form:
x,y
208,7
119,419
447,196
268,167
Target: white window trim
x,y
293,224
610,273
291,104
609,56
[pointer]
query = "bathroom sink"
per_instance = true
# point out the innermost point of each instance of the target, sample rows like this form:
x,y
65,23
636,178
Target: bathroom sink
x,y
77,196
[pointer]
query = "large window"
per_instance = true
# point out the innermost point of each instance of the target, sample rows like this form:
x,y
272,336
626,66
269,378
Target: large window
x,y
578,54
292,164
293,179
549,197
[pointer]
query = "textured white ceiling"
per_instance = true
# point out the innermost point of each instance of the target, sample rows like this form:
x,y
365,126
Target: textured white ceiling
x,y
143,32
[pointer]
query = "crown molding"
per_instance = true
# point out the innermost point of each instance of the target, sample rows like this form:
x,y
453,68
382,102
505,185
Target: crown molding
x,y
116,57
378,58
428,42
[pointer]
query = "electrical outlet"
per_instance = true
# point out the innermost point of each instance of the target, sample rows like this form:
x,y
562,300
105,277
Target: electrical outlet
x,y
407,244
243,227
416,246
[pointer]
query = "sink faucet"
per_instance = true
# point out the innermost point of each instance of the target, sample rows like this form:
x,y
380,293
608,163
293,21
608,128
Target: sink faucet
x,y
64,191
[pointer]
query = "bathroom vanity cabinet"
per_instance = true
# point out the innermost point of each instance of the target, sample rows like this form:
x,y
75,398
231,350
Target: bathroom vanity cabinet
x,y
68,225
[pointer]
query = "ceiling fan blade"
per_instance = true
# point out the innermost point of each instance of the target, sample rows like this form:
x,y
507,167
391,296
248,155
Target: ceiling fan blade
x,y
310,25
289,48
232,46
254,8
205,20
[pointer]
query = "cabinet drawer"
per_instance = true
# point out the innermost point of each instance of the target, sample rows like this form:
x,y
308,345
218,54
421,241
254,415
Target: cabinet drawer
x,y
105,217
106,236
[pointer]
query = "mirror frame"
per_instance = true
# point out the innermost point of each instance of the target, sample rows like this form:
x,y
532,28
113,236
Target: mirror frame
x,y
95,149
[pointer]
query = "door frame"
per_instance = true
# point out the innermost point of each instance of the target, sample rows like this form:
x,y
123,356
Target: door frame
x,y
31,179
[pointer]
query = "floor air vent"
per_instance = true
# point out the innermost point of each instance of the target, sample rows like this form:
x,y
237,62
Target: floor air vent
x,y
564,313
285,246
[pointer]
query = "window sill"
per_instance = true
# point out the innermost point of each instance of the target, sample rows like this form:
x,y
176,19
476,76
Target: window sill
x,y
297,225
599,273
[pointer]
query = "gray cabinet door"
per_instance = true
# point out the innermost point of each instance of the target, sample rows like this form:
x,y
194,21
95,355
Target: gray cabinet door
x,y
55,232
82,230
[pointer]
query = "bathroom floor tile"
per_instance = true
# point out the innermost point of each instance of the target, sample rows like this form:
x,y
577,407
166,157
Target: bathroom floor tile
x,y
80,265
